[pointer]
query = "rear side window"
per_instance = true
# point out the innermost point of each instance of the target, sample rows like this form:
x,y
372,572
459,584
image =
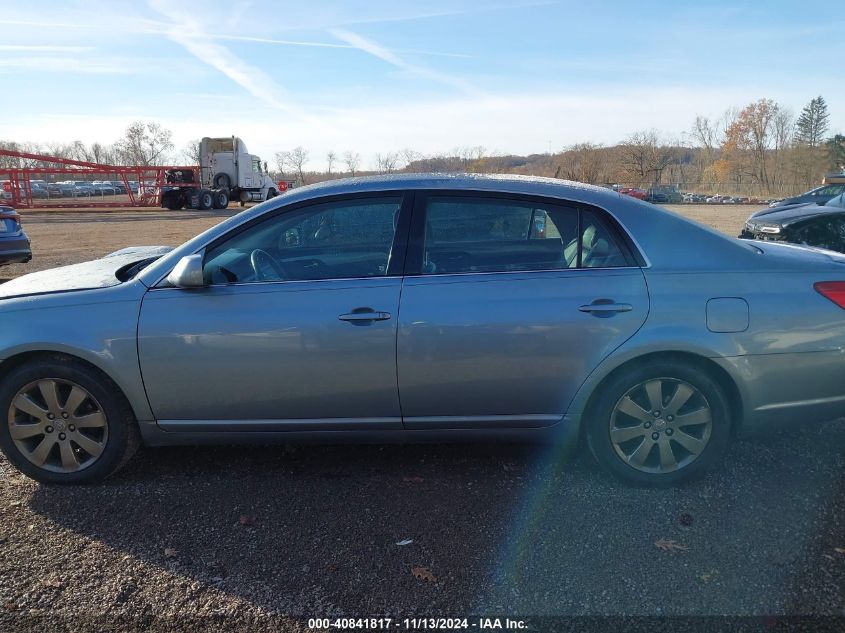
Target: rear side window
x,y
598,248
9,225
474,235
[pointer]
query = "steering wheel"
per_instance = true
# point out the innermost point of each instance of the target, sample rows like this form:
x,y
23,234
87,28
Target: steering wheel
x,y
266,268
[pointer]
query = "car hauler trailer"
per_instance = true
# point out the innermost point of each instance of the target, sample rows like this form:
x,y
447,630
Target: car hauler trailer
x,y
227,171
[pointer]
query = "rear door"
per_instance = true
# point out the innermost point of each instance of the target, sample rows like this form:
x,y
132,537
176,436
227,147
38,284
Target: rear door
x,y
509,304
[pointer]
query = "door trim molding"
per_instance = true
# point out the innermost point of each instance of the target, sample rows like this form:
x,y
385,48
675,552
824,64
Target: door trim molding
x,y
302,424
524,421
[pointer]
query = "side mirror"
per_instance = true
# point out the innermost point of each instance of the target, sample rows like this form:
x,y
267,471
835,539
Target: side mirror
x,y
187,273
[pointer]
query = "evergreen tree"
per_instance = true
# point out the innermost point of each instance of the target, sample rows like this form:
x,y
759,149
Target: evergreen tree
x,y
812,123
836,152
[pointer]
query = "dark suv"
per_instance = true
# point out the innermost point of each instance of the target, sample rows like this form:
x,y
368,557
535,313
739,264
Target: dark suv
x,y
14,244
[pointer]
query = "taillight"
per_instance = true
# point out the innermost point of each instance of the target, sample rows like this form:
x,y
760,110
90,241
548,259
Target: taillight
x,y
833,290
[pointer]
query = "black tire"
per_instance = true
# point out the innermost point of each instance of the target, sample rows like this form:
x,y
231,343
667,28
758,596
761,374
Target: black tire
x,y
173,202
709,392
206,200
272,193
123,437
221,199
222,181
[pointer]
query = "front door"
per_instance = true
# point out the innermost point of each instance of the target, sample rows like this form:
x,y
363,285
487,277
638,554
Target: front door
x,y
295,329
514,303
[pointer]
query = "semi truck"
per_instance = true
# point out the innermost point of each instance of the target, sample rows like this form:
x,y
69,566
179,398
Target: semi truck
x,y
227,171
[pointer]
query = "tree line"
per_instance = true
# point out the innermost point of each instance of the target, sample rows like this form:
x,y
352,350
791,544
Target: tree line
x,y
761,148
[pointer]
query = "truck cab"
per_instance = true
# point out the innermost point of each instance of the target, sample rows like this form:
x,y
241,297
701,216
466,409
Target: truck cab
x,y
225,164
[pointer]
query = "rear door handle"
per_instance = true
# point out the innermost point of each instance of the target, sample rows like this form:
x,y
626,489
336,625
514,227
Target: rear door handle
x,y
364,316
606,308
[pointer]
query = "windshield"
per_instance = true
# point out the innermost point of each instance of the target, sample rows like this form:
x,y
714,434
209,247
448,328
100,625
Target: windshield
x,y
838,201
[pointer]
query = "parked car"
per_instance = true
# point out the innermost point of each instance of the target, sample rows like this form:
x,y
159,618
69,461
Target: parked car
x,y
38,191
309,317
822,226
54,190
83,188
103,188
67,188
639,194
119,187
664,194
34,187
819,195
14,243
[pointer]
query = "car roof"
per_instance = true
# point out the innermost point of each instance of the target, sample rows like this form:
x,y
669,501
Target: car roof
x,y
666,240
504,183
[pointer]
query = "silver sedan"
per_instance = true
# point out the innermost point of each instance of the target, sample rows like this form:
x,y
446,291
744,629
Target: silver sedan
x,y
411,308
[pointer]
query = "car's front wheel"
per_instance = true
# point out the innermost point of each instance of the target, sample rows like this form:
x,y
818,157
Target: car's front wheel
x,y
65,423
659,423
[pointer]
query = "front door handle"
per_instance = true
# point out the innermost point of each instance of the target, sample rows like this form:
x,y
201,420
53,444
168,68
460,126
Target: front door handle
x,y
369,315
606,309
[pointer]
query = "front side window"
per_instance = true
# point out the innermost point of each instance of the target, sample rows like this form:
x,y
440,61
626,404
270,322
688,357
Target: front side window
x,y
824,232
333,240
467,235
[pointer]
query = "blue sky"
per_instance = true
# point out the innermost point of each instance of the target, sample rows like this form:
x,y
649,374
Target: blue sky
x,y
509,75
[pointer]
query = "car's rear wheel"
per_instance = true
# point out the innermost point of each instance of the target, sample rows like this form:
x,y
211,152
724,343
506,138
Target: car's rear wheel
x,y
659,423
65,422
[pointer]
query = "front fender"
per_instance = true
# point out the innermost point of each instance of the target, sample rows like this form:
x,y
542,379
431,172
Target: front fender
x,y
98,326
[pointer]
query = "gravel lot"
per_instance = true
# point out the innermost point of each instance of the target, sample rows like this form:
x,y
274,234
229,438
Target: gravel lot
x,y
258,538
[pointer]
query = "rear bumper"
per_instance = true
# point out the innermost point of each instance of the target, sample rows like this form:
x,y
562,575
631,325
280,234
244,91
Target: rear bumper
x,y
782,390
15,250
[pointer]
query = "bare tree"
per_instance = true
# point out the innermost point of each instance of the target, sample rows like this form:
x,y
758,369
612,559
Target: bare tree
x,y
97,153
645,156
191,152
410,156
281,161
352,160
583,162
331,157
783,126
144,144
296,159
387,162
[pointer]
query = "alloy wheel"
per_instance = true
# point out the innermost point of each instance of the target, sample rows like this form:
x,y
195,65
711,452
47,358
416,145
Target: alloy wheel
x,y
661,425
57,425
